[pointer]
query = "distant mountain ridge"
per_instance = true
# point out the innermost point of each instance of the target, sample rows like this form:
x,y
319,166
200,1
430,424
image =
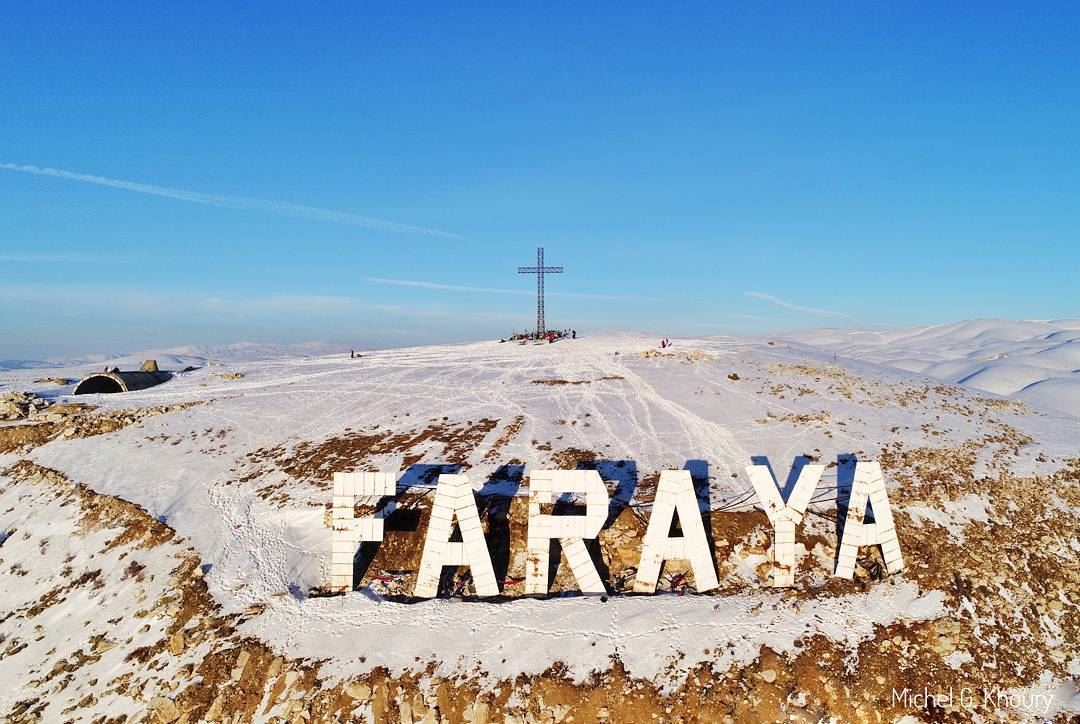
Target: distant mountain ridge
x,y
23,364
187,355
1034,361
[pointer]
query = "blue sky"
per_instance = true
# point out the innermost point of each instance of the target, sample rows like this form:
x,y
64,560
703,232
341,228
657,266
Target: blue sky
x,y
283,174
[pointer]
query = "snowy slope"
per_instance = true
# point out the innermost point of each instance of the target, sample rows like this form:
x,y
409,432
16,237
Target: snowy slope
x,y
243,477
1037,362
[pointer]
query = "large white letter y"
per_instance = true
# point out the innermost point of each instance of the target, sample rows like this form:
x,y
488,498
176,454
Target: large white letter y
x,y
785,516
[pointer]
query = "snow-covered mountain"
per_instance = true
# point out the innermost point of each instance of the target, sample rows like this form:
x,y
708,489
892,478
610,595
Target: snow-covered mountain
x,y
23,364
194,355
1037,362
163,554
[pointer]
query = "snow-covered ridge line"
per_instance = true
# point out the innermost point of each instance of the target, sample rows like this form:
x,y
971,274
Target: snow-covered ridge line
x,y
1037,362
179,357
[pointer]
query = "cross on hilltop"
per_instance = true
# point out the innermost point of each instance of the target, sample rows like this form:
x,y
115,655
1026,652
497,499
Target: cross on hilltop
x,y
540,270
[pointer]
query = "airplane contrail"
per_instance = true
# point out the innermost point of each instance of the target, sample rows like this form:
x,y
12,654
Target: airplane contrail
x,y
242,203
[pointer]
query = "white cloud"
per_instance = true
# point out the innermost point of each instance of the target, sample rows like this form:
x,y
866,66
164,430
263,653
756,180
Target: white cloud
x,y
65,258
242,203
798,307
443,287
418,284
101,302
814,310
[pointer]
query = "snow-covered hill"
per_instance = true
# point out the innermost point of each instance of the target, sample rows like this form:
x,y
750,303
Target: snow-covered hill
x,y
1037,362
22,364
237,458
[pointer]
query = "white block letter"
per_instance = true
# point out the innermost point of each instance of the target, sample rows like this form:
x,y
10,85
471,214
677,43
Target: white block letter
x,y
869,485
569,529
350,531
675,492
784,516
454,500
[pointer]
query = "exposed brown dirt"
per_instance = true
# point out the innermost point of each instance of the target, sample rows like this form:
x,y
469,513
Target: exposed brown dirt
x,y
822,417
509,433
75,421
572,458
684,357
558,383
315,462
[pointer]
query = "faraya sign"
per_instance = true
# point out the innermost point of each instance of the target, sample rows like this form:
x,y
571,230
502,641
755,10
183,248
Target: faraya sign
x,y
454,504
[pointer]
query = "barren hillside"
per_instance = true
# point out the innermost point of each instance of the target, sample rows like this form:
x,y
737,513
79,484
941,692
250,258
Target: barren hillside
x,y
163,552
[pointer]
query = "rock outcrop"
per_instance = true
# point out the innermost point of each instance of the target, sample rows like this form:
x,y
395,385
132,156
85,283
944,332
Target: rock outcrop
x,y
20,405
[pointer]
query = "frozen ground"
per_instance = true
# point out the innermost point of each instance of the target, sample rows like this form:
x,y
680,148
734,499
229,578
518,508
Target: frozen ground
x,y
237,479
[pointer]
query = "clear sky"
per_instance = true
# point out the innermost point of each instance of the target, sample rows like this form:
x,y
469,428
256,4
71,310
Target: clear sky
x,y
374,174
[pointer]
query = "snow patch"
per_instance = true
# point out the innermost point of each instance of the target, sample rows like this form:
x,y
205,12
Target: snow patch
x,y
954,515
659,638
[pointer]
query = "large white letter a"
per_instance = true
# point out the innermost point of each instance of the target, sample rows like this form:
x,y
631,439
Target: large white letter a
x,y
868,486
454,500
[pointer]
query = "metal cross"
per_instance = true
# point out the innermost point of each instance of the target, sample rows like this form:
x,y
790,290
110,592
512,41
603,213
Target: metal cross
x,y
540,270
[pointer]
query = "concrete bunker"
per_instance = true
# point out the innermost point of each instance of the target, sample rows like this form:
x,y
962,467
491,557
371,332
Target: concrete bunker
x,y
112,381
